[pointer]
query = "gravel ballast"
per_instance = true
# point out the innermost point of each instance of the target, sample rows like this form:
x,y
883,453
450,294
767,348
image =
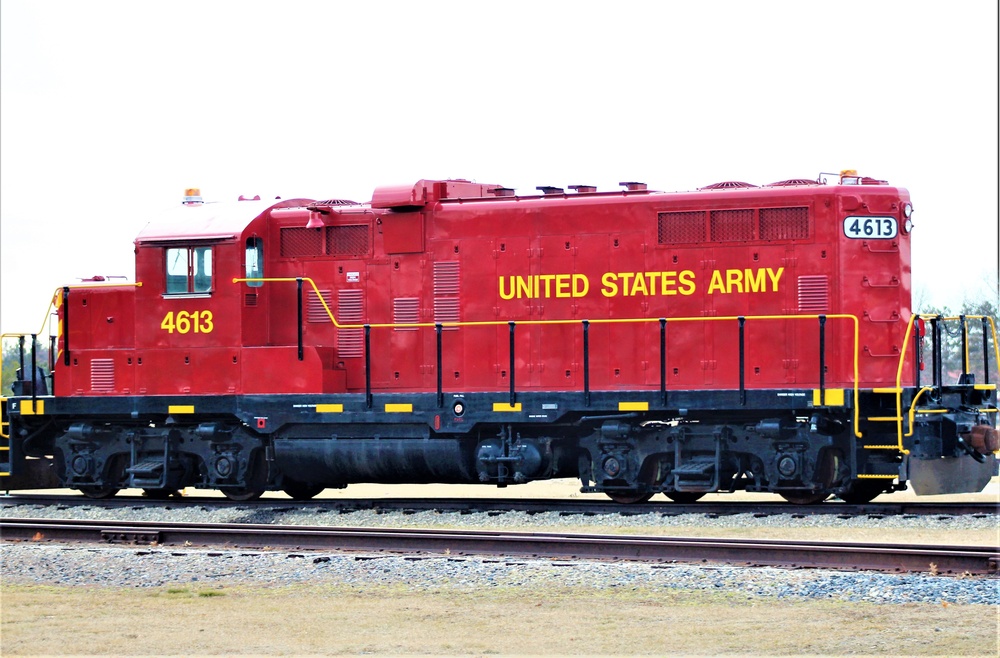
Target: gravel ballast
x,y
144,567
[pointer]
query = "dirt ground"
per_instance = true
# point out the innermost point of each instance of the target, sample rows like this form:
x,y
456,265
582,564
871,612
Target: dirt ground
x,y
317,620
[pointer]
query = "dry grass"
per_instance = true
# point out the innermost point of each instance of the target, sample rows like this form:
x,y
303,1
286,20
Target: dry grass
x,y
187,620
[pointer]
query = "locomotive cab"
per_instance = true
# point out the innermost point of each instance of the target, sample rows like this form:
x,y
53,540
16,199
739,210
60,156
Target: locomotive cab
x,y
207,318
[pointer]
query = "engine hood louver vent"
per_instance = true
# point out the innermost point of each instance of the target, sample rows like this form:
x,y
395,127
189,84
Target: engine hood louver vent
x,y
727,185
333,202
792,182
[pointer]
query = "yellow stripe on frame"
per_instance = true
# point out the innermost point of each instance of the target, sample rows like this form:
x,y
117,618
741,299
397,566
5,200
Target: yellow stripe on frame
x,y
834,398
506,406
33,407
180,409
633,406
329,408
396,408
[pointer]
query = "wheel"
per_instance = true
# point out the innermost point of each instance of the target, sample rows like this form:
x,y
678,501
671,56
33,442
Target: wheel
x,y
825,473
99,492
685,497
301,491
628,498
804,496
160,494
242,493
860,492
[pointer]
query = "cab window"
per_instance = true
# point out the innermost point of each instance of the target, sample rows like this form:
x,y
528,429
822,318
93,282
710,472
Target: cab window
x,y
255,261
189,270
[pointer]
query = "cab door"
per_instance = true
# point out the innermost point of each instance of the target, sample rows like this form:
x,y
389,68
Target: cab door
x,y
254,294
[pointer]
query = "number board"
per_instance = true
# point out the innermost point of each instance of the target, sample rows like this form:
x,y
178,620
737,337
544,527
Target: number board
x,y
870,228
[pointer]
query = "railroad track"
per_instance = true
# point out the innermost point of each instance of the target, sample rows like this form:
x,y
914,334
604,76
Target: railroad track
x,y
852,556
527,505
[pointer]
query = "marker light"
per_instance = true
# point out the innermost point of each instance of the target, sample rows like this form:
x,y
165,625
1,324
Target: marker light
x,y
192,195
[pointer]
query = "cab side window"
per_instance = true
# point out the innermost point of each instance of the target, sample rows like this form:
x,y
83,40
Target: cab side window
x,y
255,261
188,270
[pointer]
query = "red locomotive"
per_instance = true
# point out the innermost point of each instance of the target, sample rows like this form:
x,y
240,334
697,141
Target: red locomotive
x,y
735,337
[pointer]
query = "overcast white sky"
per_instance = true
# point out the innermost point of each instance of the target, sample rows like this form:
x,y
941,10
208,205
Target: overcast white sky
x,y
108,110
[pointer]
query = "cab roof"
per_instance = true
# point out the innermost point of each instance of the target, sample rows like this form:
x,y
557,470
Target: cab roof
x,y
209,221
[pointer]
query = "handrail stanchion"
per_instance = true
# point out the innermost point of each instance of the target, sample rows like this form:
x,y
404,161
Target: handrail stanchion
x,y
743,385
586,362
298,301
965,346
368,366
52,365
513,396
822,359
986,353
440,382
65,326
34,371
20,355
663,361
938,370
918,349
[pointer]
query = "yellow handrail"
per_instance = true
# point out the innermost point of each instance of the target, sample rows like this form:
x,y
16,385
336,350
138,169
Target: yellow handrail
x,y
3,404
902,359
486,323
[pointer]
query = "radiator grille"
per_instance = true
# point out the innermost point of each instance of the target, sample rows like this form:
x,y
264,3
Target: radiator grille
x,y
680,227
347,241
102,375
350,310
732,225
351,241
784,223
296,242
814,294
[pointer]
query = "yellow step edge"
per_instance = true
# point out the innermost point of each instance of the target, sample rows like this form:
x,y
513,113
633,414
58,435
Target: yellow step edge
x,y
866,476
985,387
506,406
887,390
892,447
180,409
329,408
633,406
884,419
398,407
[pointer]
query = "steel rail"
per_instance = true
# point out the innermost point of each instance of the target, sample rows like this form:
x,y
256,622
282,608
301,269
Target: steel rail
x,y
561,506
852,556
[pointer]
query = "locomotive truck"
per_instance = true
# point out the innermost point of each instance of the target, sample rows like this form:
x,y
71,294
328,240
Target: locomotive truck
x,y
733,337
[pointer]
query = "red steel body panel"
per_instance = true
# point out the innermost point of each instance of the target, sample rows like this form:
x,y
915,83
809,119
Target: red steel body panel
x,y
454,252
